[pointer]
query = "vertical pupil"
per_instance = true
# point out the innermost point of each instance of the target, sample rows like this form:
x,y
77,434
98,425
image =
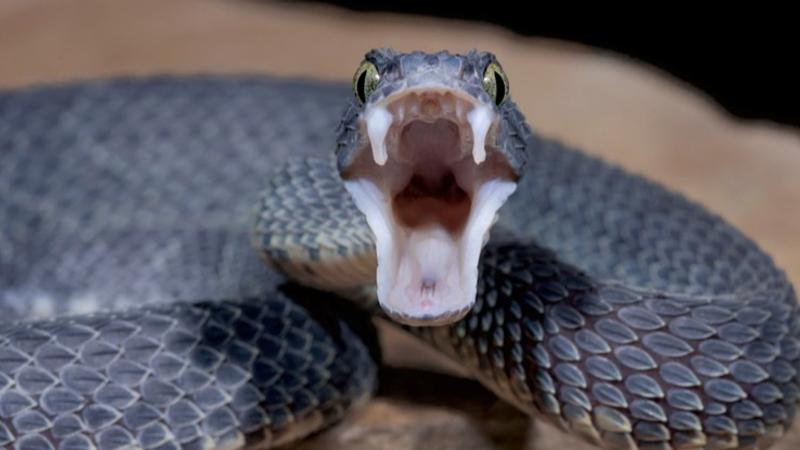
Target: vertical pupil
x,y
362,79
501,88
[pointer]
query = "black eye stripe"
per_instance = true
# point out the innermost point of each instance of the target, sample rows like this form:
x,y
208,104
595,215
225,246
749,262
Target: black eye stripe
x,y
362,79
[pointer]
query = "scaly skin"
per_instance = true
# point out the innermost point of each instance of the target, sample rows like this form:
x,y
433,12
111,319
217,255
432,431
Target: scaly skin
x,y
121,201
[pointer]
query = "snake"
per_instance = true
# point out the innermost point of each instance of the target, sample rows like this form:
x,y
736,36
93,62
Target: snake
x,y
192,262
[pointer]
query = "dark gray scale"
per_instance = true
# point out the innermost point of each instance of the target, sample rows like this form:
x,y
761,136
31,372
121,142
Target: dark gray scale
x,y
712,315
551,291
615,331
715,408
720,425
643,386
564,349
790,392
59,400
748,372
76,442
548,404
141,348
543,382
708,367
746,410
52,357
761,351
252,420
651,432
666,345
640,318
781,371
750,428
140,415
29,422
591,342
570,374
532,328
34,442
678,374
126,373
593,305
74,335
183,413
34,380
603,368
766,393
67,425
244,398
160,393
609,395
634,358
666,307
611,420
220,421
575,396
647,410
98,417
685,421
567,316
737,333
82,379
98,353
12,360
618,295
724,390
720,350
790,348
775,414
772,331
752,315
684,399
689,328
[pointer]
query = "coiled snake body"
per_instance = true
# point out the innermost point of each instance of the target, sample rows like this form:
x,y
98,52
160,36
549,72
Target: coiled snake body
x,y
136,313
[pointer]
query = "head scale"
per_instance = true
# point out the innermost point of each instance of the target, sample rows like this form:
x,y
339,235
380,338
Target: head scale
x,y
429,148
399,71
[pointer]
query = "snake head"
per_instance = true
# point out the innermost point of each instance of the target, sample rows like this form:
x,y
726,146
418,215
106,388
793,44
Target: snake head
x,y
429,149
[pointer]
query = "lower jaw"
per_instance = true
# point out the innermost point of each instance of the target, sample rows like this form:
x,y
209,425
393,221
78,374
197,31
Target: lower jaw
x,y
435,172
409,257
427,321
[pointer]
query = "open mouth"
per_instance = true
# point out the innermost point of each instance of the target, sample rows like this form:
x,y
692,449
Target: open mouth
x,y
430,186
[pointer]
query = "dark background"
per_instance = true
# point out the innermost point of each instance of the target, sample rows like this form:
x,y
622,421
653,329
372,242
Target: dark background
x,y
747,60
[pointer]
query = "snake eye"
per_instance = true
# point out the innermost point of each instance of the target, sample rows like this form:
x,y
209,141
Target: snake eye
x,y
495,82
365,80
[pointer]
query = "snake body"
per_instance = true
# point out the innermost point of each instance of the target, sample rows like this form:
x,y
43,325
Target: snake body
x,y
121,197
606,304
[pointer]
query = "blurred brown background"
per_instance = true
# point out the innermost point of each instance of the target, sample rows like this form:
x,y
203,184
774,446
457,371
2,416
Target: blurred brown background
x,y
633,114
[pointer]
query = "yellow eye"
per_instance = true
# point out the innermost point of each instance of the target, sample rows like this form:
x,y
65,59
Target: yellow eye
x,y
365,80
495,82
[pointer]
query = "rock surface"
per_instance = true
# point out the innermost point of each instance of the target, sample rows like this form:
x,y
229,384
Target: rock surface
x,y
749,172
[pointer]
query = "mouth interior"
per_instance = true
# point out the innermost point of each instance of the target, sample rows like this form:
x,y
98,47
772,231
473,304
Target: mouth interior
x,y
430,189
